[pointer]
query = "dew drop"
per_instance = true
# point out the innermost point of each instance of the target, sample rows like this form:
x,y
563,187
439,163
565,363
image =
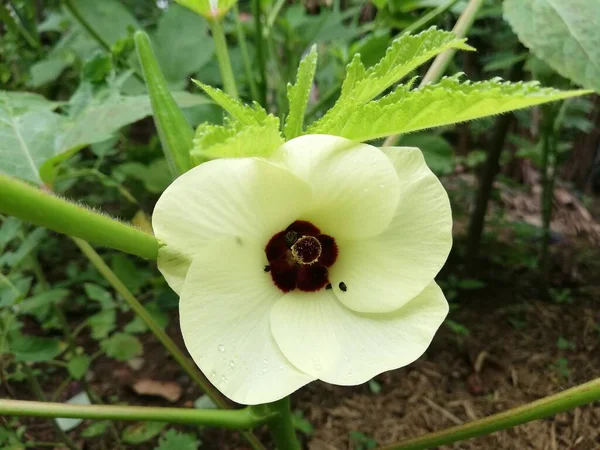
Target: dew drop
x,y
382,186
349,374
281,367
213,374
221,348
265,362
232,363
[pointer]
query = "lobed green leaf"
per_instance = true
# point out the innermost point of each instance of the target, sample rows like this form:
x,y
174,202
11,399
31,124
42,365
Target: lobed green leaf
x,y
298,94
450,101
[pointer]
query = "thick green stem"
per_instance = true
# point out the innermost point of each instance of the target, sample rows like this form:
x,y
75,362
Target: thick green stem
x,y
227,77
175,133
440,63
241,36
238,419
548,406
260,51
189,367
431,15
47,210
281,425
39,393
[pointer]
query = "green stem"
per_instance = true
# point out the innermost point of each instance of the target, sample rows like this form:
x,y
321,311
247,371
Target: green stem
x,y
440,63
273,14
431,15
461,28
223,58
241,36
281,425
260,51
37,390
146,317
16,27
548,406
233,419
47,210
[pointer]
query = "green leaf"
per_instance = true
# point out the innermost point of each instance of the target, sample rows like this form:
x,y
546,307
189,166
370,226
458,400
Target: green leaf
x,y
95,429
34,141
13,259
8,231
435,105
174,440
249,132
32,304
406,53
98,293
174,131
136,434
236,140
35,348
78,366
127,272
102,323
182,29
211,9
27,139
298,94
109,18
245,114
562,33
122,346
22,102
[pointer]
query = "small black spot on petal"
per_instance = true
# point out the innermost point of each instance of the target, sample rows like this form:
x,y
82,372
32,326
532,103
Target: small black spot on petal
x,y
343,287
328,286
267,268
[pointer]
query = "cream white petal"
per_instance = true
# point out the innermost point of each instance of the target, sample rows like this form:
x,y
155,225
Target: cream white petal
x,y
244,197
383,273
355,187
224,314
322,337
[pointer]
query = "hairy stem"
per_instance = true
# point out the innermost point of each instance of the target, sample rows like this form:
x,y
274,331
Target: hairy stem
x,y
548,406
233,419
47,210
227,77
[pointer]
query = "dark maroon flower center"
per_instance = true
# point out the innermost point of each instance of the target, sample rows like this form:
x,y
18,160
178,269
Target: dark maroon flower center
x,y
299,257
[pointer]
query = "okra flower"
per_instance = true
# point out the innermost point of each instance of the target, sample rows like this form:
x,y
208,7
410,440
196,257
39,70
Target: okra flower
x,y
317,263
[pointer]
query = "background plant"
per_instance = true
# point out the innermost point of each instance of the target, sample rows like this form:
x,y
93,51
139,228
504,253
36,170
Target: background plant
x,y
85,128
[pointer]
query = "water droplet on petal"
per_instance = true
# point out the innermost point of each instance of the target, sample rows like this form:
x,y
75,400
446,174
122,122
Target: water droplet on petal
x,y
281,367
382,186
213,374
221,348
232,363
